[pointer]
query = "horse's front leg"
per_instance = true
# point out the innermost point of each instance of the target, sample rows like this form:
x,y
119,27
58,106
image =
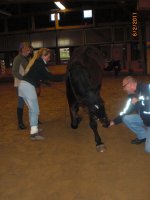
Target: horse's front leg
x,y
73,106
99,144
75,119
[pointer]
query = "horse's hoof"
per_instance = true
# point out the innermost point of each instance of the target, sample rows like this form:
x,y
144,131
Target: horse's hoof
x,y
74,127
101,148
79,119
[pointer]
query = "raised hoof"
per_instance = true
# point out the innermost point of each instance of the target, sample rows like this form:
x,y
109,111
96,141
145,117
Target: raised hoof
x,y
101,148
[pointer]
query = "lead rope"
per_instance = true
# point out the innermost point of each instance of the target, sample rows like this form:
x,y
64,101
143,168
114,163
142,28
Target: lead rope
x,y
64,93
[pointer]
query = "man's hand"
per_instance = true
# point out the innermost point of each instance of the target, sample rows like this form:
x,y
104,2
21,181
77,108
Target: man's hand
x,y
134,100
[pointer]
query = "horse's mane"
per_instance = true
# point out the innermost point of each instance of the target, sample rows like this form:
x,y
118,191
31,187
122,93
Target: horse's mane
x,y
89,58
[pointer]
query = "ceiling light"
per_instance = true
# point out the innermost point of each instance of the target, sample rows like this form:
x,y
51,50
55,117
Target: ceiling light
x,y
60,5
53,16
87,13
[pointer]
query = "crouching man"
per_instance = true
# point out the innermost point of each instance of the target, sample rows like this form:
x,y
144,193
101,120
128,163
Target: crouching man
x,y
136,113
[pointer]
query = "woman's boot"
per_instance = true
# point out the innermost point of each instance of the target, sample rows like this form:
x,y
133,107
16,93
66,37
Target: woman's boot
x,y
20,118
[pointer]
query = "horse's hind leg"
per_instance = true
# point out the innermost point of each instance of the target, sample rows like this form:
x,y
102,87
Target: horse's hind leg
x,y
99,144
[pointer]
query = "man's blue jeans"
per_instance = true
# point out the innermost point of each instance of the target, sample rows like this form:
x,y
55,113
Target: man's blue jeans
x,y
135,124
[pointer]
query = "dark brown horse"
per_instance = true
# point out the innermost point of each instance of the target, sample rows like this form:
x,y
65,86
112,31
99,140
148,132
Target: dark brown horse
x,y
84,75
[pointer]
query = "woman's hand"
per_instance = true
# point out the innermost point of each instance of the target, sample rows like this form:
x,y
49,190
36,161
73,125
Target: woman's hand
x,y
111,123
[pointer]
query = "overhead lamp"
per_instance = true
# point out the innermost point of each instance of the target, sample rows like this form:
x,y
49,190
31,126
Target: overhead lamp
x,y
60,5
87,13
53,16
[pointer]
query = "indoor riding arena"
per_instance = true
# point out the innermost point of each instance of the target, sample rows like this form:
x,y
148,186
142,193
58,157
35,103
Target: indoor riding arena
x,y
66,165
66,156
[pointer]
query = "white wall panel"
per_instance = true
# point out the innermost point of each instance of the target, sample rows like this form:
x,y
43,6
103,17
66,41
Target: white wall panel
x,y
47,39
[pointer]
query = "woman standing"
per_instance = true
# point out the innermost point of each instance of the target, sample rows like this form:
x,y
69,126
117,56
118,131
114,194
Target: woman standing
x,y
35,72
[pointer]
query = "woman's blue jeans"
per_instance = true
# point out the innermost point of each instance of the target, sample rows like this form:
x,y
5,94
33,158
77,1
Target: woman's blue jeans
x,y
135,124
28,93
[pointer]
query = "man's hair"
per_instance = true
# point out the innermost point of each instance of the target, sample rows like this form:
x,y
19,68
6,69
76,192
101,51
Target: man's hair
x,y
130,79
23,45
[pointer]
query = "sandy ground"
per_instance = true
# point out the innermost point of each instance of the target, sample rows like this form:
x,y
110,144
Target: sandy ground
x,y
66,166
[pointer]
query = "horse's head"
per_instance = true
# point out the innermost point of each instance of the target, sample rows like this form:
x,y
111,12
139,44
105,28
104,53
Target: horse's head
x,y
85,75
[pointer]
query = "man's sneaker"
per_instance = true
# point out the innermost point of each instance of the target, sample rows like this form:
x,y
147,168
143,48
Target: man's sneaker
x,y
36,136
